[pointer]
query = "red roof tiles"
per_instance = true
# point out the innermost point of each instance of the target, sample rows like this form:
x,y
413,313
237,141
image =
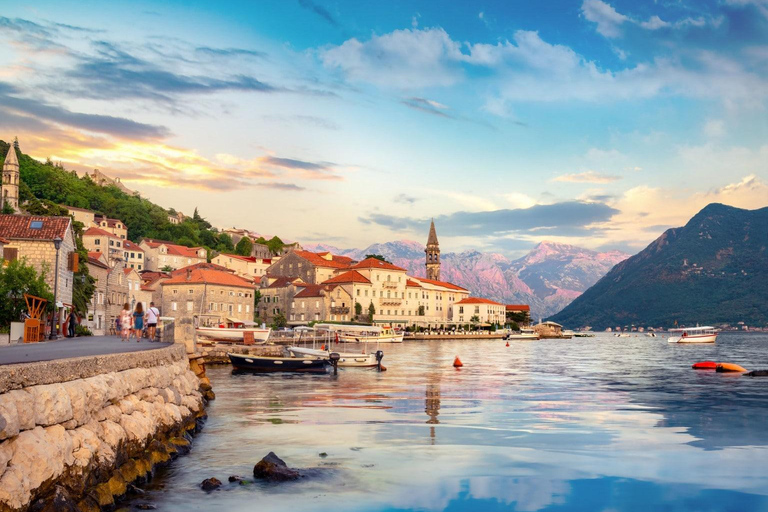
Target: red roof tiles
x,y
478,300
19,227
377,264
350,276
412,284
132,246
318,260
518,307
98,232
208,276
444,284
250,259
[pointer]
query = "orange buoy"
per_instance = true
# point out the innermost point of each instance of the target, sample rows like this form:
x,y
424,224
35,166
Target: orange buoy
x,y
730,367
457,363
322,347
383,369
507,343
705,365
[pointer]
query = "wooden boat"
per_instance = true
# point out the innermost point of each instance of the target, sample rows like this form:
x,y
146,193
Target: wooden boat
x,y
524,334
697,334
263,364
346,359
234,330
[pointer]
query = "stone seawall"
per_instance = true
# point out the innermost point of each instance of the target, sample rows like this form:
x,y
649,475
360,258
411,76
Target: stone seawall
x,y
75,433
214,353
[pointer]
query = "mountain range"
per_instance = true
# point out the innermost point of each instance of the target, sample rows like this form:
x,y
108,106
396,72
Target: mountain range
x,y
712,270
548,278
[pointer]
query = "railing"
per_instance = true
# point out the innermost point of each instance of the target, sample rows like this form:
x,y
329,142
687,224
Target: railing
x,y
390,302
389,284
340,310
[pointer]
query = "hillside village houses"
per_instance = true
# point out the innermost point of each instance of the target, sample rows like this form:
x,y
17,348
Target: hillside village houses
x,y
244,266
159,254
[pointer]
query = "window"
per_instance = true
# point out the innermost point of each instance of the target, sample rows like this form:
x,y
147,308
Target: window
x,y
97,241
140,255
247,308
358,292
190,291
36,224
175,291
190,305
239,308
173,306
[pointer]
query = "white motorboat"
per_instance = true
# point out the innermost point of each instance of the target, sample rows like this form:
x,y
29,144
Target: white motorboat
x,y
346,359
366,334
696,334
524,334
234,330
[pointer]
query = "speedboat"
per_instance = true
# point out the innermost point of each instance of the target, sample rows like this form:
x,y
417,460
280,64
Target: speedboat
x,y
368,334
234,330
524,334
264,364
696,334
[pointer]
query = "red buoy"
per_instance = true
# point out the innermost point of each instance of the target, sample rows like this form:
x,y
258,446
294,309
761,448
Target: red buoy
x,y
457,363
322,347
705,365
507,343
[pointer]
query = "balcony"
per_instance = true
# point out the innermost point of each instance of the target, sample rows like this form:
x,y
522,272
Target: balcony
x,y
389,285
339,310
390,302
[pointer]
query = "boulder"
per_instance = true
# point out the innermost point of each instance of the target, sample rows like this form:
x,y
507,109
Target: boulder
x,y
210,484
274,469
59,501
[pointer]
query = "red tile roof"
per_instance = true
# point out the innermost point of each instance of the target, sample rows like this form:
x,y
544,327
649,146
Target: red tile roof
x,y
444,284
412,284
173,249
350,276
282,281
96,261
377,264
150,276
250,259
132,246
3,240
208,276
206,265
18,227
317,259
518,307
98,232
312,290
478,300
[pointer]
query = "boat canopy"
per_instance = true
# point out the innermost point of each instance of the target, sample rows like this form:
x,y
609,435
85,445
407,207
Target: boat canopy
x,y
692,329
348,328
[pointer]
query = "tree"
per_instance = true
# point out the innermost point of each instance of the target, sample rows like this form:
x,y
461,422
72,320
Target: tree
x,y
16,279
421,310
256,299
378,257
7,208
358,309
371,311
279,321
225,243
83,284
474,320
244,247
167,268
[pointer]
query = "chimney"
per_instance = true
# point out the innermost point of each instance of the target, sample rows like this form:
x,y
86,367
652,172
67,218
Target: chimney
x,y
189,274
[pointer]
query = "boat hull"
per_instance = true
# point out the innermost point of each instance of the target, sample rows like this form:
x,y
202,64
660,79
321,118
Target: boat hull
x,y
346,359
529,337
262,364
702,338
219,333
387,338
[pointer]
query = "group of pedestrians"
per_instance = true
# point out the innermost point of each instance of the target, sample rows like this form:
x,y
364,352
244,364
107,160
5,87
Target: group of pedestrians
x,y
132,324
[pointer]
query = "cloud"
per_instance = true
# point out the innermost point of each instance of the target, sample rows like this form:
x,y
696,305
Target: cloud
x,y
282,186
116,126
319,10
608,20
587,177
403,59
714,128
428,106
405,199
229,52
567,219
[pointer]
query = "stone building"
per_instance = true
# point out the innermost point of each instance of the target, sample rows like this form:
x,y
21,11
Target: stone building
x,y
103,180
9,191
150,283
320,302
97,319
486,311
437,298
83,215
136,291
31,238
244,266
277,295
114,226
205,296
133,255
99,240
433,254
159,254
311,267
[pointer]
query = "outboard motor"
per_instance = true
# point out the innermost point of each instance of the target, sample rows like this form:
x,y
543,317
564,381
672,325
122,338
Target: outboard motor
x,y
334,358
379,357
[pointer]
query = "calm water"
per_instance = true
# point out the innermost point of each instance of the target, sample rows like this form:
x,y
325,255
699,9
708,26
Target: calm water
x,y
602,423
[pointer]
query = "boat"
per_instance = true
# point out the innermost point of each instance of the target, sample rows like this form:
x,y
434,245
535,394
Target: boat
x,y
366,334
566,335
526,333
265,364
651,334
234,330
346,359
583,334
696,334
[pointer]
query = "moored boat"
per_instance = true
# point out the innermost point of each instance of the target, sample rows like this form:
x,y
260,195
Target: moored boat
x,y
525,333
346,359
706,334
264,364
234,330
368,334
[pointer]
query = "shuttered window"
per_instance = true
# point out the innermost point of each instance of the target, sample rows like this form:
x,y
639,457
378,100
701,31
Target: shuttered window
x,y
10,253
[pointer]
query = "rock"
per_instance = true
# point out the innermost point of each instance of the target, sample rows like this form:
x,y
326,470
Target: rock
x,y
146,506
235,478
59,501
210,484
274,469
210,395
323,455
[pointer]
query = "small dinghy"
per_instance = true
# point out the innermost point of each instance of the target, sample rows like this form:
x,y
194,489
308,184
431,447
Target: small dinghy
x,y
264,364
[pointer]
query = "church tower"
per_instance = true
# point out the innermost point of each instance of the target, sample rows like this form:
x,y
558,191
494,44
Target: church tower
x,y
433,254
10,186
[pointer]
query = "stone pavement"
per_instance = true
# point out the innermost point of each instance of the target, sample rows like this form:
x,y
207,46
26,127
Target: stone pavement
x,y
72,347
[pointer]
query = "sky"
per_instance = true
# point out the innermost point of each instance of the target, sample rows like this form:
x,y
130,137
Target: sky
x,y
594,123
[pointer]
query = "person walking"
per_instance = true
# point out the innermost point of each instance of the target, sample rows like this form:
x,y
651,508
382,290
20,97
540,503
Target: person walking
x,y
153,314
72,323
125,322
138,321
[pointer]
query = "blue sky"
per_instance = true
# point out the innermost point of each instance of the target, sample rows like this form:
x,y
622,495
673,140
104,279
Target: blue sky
x,y
587,122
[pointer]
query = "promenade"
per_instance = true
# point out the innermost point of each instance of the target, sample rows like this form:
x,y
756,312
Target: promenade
x,y
72,347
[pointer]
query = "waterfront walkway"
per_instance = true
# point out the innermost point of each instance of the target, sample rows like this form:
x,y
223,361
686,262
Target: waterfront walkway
x,y
72,347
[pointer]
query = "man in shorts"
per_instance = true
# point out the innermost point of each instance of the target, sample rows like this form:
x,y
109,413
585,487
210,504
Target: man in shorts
x,y
152,315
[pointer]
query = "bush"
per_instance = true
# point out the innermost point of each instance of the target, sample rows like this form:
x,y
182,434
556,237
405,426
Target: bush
x,y
81,330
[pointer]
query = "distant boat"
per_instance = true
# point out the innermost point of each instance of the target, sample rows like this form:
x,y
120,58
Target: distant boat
x,y
697,334
264,364
367,334
583,335
525,333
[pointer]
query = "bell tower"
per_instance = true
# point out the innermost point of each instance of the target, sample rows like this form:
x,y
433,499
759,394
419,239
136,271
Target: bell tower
x,y
10,185
433,254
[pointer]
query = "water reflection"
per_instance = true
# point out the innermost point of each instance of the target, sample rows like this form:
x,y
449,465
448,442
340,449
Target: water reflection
x,y
596,424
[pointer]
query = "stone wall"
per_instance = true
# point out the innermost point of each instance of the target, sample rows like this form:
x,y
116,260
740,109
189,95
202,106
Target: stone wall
x,y
42,256
80,430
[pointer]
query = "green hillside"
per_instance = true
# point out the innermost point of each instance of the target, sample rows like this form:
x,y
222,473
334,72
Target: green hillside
x,y
713,270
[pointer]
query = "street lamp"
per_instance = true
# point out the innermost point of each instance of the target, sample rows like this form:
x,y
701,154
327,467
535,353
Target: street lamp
x,y
57,244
